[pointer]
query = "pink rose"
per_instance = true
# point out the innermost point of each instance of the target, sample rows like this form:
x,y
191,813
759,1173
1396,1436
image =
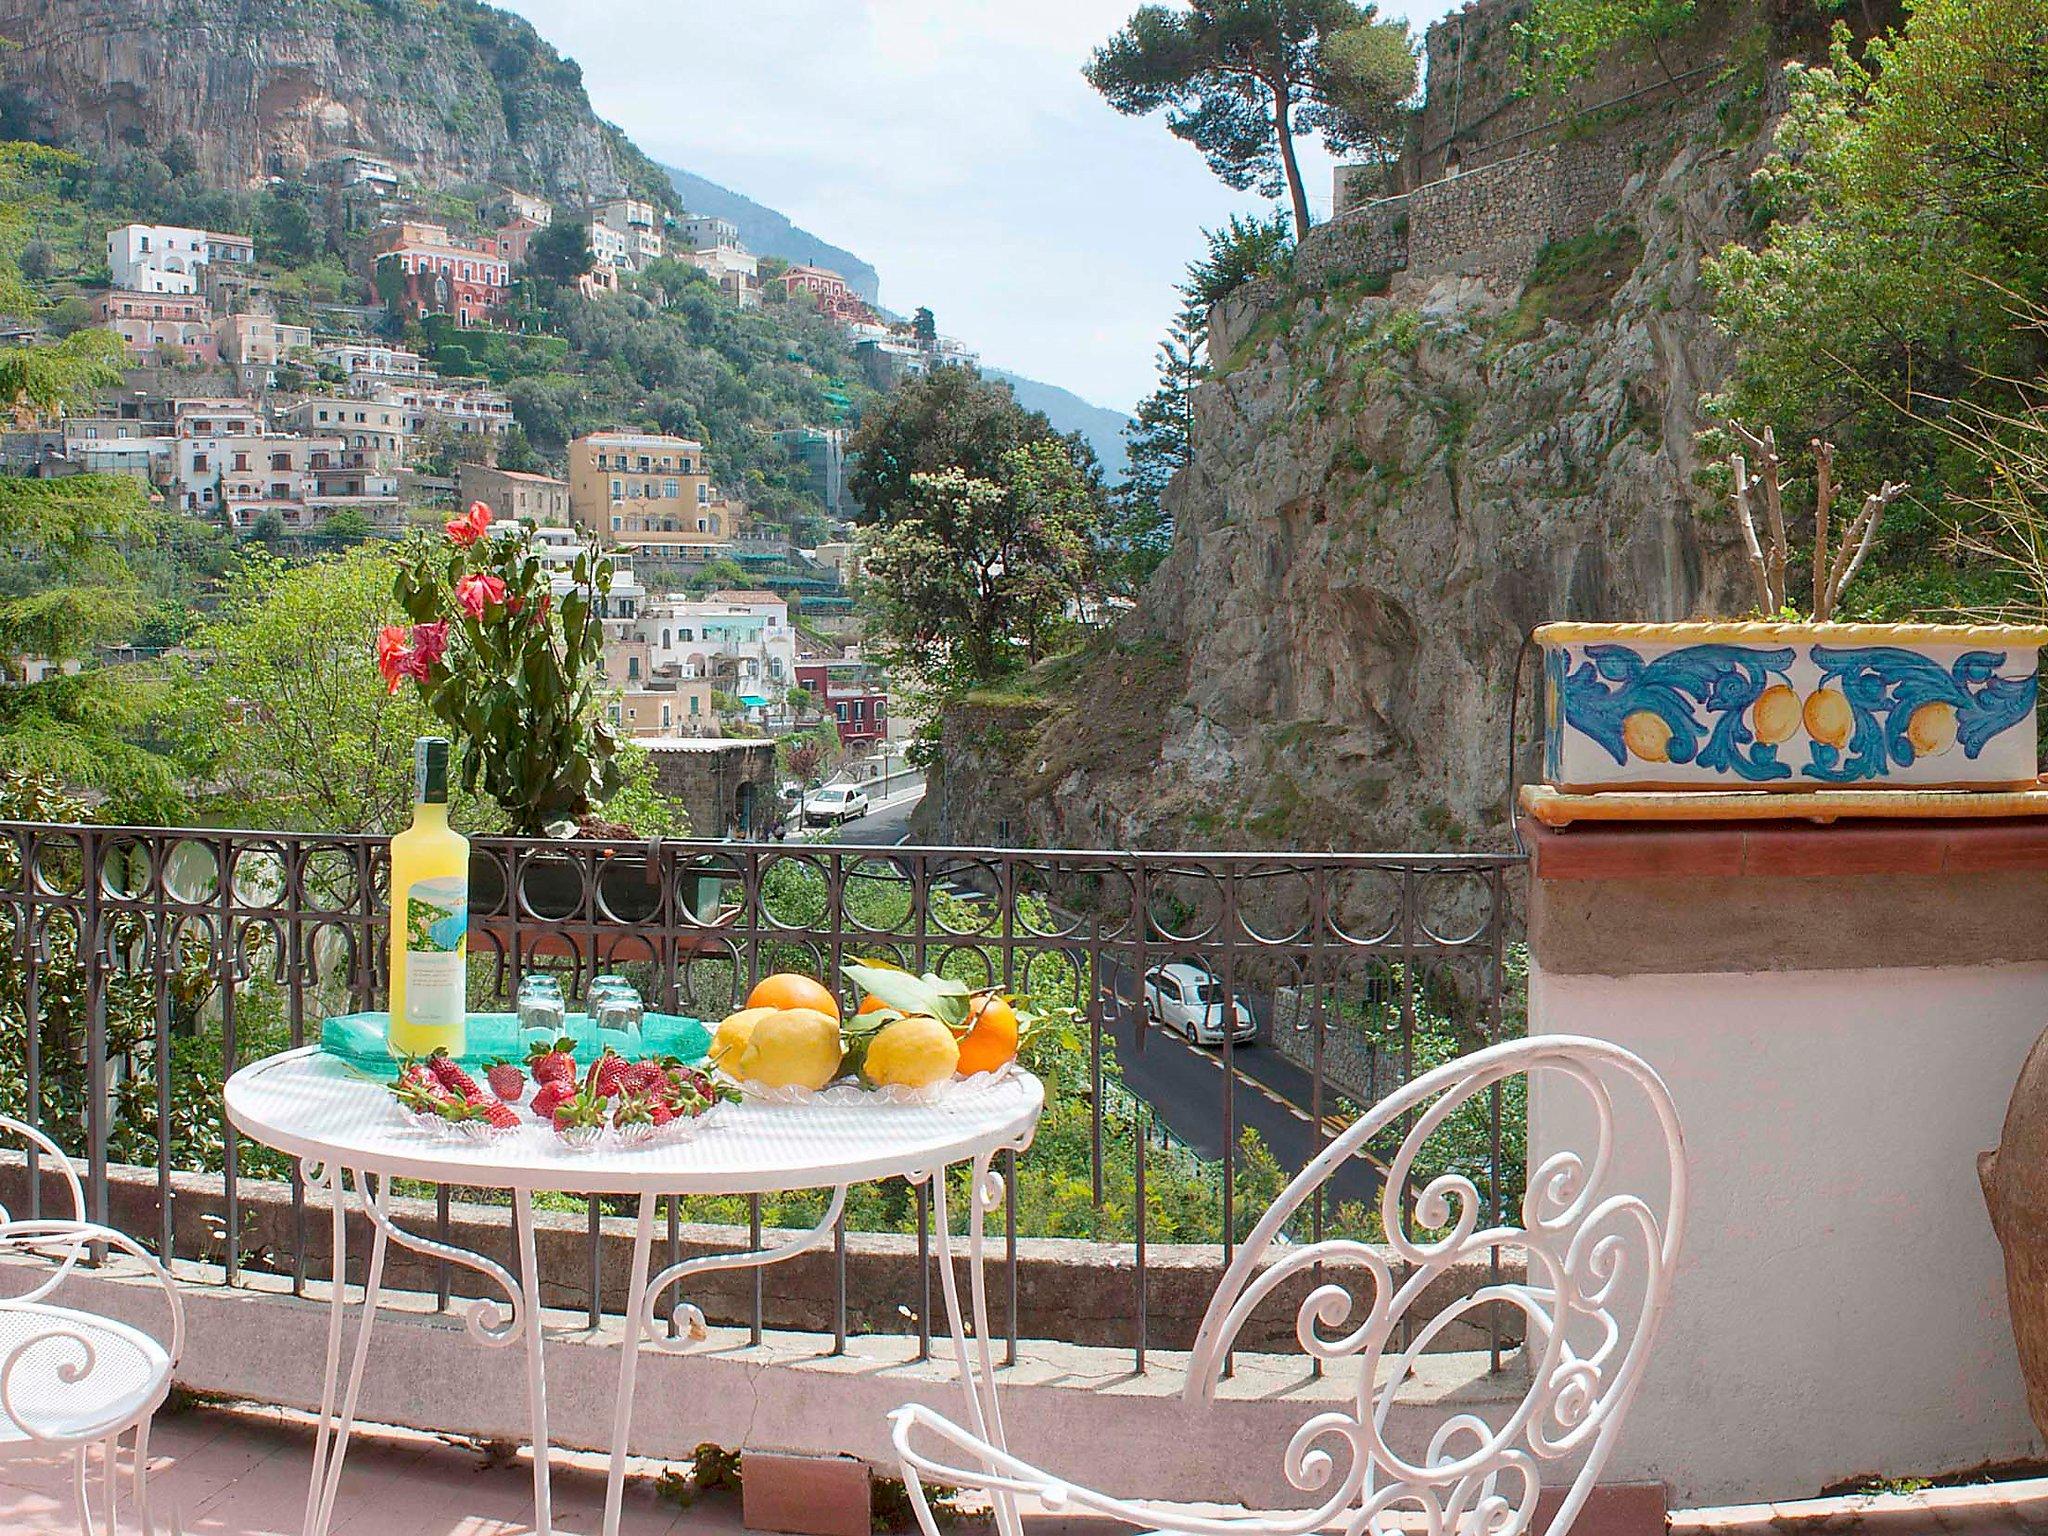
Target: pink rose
x,y
477,591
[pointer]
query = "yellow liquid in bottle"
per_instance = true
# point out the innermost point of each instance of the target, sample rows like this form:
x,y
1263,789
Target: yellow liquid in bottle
x,y
429,929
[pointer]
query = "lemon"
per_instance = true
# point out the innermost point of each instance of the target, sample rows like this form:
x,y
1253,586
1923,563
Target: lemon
x,y
913,1052
1828,717
1932,728
1647,736
731,1036
791,1048
1775,716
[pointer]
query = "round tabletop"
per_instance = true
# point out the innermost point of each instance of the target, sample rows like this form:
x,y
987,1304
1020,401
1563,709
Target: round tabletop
x,y
312,1105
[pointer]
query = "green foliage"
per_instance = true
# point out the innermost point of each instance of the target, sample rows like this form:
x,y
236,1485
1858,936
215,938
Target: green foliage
x,y
1567,39
1240,252
1239,79
1159,438
949,419
513,673
287,722
974,578
560,253
1881,303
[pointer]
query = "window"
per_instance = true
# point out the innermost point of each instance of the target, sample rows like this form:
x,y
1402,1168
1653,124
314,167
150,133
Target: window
x,y
664,713
280,461
695,702
241,462
618,489
670,489
280,491
685,634
703,495
199,463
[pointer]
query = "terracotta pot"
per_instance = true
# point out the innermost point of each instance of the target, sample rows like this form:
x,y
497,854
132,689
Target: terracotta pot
x,y
2015,1180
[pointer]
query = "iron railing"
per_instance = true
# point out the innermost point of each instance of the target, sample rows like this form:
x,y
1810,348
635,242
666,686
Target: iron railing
x,y
139,964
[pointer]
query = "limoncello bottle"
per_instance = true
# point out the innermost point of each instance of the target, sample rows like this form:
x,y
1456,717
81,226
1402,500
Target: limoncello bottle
x,y
429,916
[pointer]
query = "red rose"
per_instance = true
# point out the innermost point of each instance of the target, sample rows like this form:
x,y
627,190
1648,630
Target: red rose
x,y
430,642
478,591
471,526
392,655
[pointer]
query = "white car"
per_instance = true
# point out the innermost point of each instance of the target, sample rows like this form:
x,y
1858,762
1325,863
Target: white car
x,y
1188,999
833,804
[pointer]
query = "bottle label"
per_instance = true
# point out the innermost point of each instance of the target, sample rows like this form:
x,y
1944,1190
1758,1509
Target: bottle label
x,y
436,926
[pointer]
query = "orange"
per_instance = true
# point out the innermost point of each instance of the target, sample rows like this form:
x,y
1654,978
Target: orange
x,y
991,1040
786,989
872,1004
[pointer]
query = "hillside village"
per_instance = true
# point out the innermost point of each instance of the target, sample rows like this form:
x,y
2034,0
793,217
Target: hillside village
x,y
322,430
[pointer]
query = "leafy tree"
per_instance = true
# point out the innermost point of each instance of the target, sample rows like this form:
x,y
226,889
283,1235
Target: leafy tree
x,y
349,525
1569,38
924,325
973,579
560,253
1242,251
1159,439
516,452
285,230
949,419
1240,79
1882,302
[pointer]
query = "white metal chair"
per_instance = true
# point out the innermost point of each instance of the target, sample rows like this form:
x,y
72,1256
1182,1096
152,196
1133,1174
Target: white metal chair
x,y
1592,1251
70,1380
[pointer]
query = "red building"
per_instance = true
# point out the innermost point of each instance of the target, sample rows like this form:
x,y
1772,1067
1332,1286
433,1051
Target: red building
x,y
828,290
856,703
444,274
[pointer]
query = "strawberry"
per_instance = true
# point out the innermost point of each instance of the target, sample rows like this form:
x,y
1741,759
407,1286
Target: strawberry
x,y
507,1081
645,1077
661,1112
449,1074
635,1109
578,1111
415,1075
552,1061
501,1115
608,1075
550,1096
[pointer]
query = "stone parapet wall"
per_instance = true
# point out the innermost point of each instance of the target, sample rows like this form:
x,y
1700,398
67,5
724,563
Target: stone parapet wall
x,y
1077,1292
1351,1064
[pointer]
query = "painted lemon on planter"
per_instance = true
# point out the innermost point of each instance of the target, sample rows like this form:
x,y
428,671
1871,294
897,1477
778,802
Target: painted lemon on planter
x,y
1647,735
791,1048
912,1052
1932,728
1828,717
1775,715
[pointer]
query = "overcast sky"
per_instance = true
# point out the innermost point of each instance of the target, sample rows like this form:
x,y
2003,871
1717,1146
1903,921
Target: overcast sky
x,y
952,143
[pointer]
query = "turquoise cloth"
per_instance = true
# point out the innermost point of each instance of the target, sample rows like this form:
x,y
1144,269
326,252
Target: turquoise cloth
x,y
361,1040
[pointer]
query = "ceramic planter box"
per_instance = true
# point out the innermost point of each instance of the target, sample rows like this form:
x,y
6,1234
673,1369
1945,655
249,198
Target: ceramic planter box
x,y
1789,706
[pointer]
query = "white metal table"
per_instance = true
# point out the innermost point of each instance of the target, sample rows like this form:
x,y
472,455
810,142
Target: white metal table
x,y
345,1130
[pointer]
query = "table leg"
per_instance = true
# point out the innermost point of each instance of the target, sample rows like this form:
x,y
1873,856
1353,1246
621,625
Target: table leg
x,y
330,1445
629,1359
977,1366
536,1365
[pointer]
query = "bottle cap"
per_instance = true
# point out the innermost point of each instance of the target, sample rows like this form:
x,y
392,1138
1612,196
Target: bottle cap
x,y
430,770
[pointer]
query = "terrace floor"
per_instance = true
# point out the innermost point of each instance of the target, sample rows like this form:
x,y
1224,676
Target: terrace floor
x,y
239,1472
242,1472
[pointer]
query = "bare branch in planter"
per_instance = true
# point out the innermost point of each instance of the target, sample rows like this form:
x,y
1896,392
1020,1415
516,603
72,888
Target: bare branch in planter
x,y
1768,560
1758,566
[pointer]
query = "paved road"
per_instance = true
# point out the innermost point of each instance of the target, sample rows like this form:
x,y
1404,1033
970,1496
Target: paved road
x,y
883,827
1186,1086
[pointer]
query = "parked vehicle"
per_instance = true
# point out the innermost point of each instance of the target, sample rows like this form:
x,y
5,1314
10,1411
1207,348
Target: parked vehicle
x,y
833,804
1188,999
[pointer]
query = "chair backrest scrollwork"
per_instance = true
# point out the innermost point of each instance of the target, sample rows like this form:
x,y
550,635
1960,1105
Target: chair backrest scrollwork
x,y
1599,1264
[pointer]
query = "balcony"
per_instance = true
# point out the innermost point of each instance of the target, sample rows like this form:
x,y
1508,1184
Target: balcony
x,y
152,961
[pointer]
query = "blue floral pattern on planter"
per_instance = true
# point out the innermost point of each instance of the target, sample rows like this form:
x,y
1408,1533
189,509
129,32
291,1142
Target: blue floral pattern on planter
x,y
1723,680
1885,684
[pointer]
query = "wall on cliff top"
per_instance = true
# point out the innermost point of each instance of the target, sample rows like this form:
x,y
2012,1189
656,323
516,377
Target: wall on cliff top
x,y
452,93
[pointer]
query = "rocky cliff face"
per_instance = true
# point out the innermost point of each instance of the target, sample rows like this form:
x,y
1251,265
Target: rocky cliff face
x,y
453,92
1396,475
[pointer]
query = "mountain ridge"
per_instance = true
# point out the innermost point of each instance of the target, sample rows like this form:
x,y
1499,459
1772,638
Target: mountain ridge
x,y
769,232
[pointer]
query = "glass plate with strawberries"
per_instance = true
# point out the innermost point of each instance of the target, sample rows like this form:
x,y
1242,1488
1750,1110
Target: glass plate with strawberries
x,y
612,1103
